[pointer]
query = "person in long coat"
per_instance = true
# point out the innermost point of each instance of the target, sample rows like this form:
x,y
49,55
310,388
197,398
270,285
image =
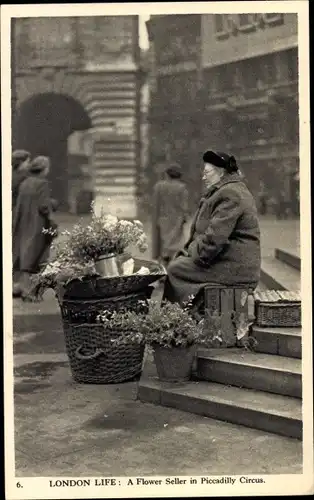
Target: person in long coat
x,y
32,214
170,211
224,243
20,164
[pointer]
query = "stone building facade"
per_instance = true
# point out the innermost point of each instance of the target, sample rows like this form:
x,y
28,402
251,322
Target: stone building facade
x,y
228,82
76,94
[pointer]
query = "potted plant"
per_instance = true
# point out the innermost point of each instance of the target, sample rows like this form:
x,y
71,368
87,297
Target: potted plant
x,y
168,329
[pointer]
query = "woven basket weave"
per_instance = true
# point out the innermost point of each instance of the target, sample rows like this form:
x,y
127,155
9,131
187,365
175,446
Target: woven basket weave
x,y
278,308
95,360
86,311
96,287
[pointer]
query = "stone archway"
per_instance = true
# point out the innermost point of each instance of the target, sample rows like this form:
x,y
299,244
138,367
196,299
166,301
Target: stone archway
x,y
51,79
42,126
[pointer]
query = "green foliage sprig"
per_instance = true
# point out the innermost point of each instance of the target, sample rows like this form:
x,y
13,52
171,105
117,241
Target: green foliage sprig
x,y
168,325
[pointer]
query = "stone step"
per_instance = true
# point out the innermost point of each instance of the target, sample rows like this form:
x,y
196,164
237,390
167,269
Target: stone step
x,y
115,156
280,341
115,172
277,275
288,257
255,409
109,180
118,163
115,189
241,368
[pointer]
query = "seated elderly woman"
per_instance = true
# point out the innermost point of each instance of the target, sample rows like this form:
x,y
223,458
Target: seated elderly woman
x,y
224,243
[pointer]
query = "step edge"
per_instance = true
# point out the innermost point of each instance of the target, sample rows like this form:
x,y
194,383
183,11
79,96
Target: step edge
x,y
277,331
253,365
227,403
289,258
281,268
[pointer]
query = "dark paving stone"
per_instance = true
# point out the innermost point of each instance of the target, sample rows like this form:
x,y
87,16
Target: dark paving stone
x,y
29,387
48,339
37,369
36,322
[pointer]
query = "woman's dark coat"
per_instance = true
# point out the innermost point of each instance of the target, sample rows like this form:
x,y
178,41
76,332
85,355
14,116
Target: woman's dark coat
x,y
169,215
17,178
32,215
224,243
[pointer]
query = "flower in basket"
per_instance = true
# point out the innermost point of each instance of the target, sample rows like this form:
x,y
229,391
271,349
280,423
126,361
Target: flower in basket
x,y
77,253
62,268
105,235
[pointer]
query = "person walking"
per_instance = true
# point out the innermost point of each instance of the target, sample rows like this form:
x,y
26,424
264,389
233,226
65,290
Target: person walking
x,y
262,197
20,164
224,243
33,213
170,211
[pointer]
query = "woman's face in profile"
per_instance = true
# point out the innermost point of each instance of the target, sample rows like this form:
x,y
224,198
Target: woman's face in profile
x,y
211,174
46,170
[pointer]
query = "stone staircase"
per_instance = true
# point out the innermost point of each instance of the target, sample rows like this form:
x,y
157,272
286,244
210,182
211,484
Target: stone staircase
x,y
260,389
114,101
282,271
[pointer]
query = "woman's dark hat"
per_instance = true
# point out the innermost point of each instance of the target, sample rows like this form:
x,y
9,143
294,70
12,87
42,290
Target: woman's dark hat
x,y
39,164
18,157
174,170
221,160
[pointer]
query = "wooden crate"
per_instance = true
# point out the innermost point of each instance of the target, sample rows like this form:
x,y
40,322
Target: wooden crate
x,y
227,301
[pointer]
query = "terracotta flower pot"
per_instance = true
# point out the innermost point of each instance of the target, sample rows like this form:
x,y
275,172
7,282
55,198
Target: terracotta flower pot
x,y
174,364
107,266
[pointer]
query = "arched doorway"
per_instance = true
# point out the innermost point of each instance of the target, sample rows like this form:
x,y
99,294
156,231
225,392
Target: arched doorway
x,y
42,126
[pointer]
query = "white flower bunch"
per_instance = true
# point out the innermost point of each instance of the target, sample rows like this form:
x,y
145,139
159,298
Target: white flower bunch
x,y
76,254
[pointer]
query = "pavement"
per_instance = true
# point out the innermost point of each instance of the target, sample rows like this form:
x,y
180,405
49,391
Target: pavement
x,y
67,429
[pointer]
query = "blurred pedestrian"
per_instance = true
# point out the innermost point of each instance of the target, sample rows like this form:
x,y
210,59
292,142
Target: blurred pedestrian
x,y
224,243
20,164
33,213
170,212
296,192
262,198
75,184
283,204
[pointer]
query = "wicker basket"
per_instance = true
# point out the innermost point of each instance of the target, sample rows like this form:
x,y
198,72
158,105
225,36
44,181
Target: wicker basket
x,y
86,311
278,308
95,360
96,287
92,357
